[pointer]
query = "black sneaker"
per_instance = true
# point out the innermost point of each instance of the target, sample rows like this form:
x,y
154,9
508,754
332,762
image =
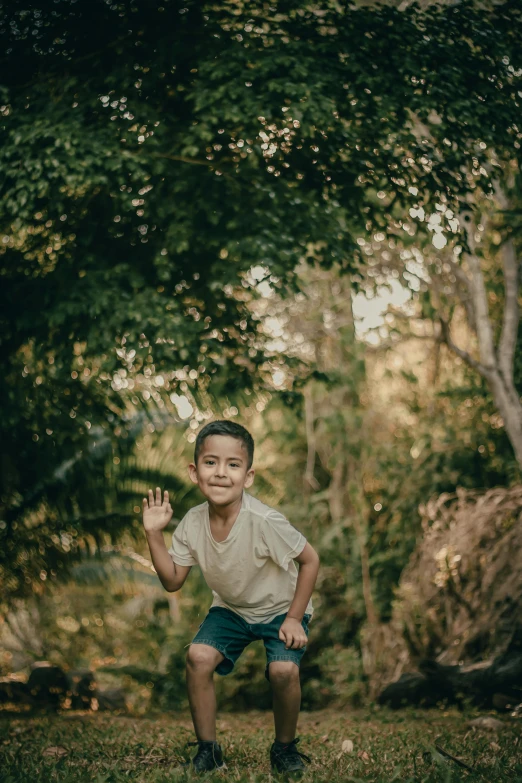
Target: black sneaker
x,y
208,757
286,758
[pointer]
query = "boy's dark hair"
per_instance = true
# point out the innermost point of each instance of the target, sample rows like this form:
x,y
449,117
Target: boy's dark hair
x,y
229,428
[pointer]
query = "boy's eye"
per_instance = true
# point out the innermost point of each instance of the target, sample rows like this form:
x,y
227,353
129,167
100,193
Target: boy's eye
x,y
234,465
209,462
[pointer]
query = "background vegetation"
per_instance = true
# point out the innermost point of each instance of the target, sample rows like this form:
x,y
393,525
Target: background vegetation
x,y
302,217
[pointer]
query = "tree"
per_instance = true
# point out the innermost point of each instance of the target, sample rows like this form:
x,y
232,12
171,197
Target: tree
x,y
496,363
464,290
156,154
380,430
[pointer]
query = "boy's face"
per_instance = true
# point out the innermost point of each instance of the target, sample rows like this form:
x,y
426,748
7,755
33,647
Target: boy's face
x,y
222,470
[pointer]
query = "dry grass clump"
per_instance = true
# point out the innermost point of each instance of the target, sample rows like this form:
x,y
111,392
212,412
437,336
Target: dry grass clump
x,y
459,598
461,593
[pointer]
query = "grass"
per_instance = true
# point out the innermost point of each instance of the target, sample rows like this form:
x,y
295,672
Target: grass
x,y
387,746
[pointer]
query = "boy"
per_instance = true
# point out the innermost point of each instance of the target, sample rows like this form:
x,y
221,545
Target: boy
x,y
246,552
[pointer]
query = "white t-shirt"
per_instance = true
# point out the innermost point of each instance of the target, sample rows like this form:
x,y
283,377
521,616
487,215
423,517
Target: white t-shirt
x,y
252,571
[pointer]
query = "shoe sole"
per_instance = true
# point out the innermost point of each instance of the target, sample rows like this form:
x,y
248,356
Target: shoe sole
x,y
286,772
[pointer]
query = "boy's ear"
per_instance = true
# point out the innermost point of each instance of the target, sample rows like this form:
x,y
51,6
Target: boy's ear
x,y
249,478
193,473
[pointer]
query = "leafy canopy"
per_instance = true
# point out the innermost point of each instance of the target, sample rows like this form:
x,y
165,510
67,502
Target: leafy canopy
x,y
160,159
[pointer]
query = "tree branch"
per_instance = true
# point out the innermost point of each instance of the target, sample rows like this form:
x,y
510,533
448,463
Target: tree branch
x,y
479,297
511,315
211,164
310,480
182,159
459,272
446,337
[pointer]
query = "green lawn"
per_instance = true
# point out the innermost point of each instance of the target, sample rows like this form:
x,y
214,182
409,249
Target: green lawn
x,y
387,746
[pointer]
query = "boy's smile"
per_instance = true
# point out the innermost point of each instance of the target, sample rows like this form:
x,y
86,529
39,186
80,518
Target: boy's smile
x,y
222,470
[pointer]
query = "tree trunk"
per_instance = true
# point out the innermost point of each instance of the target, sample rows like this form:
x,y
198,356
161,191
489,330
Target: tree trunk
x,y
483,685
495,363
310,482
508,403
371,611
360,523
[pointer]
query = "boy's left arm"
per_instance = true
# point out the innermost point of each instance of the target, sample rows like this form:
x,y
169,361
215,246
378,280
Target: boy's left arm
x,y
291,631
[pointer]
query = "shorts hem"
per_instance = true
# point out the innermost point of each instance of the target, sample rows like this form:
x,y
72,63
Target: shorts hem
x,y
283,658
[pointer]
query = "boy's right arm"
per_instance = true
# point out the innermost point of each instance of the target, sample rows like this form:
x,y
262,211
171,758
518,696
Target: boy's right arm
x,y
156,516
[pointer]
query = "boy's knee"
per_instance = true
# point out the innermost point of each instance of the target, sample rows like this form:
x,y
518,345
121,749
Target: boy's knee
x,y
283,673
203,657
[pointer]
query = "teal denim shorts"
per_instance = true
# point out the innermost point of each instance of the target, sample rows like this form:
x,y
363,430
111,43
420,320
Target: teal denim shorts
x,y
229,633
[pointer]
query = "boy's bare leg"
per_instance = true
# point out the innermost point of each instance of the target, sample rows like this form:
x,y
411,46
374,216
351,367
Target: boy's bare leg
x,y
286,692
202,659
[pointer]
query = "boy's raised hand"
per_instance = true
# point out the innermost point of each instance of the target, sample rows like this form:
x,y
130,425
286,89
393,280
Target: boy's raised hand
x,y
157,513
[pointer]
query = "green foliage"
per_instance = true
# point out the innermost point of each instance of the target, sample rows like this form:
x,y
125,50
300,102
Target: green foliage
x,y
66,512
340,679
153,153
